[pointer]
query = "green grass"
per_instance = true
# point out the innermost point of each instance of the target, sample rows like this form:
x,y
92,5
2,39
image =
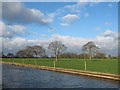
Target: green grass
x,y
102,65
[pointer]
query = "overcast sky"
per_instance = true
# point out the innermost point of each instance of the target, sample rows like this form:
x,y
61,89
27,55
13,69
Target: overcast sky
x,y
72,23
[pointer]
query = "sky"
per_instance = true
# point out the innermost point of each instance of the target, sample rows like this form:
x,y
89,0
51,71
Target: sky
x,y
73,23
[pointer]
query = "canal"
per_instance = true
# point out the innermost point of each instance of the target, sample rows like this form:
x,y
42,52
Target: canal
x,y
22,77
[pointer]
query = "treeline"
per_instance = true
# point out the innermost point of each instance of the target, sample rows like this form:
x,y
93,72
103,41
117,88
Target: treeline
x,y
86,56
90,51
63,55
28,52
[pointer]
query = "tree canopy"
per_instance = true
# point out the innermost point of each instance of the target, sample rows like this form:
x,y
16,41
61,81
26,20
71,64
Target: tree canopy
x,y
31,51
90,48
57,47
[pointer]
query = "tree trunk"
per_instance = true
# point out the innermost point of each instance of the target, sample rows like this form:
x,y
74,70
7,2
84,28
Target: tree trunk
x,y
56,58
90,57
36,55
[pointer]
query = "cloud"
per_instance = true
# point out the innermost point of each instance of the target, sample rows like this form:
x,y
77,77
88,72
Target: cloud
x,y
17,28
13,45
107,44
108,40
109,33
9,31
15,12
69,18
76,7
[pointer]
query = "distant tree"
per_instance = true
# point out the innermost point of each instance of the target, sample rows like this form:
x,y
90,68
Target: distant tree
x,y
109,56
90,48
2,54
56,47
21,53
38,51
10,55
115,57
83,56
31,51
69,55
100,55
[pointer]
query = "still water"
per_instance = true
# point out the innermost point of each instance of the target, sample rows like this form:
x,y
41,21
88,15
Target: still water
x,y
22,77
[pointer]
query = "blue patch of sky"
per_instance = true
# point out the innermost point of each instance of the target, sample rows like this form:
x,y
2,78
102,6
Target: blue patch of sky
x,y
47,7
84,27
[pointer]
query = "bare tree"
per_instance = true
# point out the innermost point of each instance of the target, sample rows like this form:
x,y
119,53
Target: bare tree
x,y
100,55
38,51
57,47
21,53
31,51
90,48
10,55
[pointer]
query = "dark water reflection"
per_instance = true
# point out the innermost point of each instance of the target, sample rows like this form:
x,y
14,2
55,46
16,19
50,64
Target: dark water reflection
x,y
22,77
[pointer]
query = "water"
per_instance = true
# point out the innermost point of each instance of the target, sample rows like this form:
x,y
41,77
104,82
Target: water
x,y
22,77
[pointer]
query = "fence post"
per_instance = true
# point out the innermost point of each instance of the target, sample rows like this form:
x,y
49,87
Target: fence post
x,y
85,65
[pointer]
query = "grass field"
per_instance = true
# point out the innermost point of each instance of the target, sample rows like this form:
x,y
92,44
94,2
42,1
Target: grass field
x,y
100,65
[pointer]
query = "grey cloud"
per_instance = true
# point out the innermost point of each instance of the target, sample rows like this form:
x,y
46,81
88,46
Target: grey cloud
x,y
10,31
108,42
17,13
110,34
13,45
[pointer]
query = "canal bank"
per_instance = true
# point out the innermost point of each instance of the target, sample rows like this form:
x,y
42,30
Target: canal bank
x,y
70,71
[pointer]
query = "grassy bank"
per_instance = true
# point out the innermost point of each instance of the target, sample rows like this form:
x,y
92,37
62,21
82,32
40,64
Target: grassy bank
x,y
102,65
